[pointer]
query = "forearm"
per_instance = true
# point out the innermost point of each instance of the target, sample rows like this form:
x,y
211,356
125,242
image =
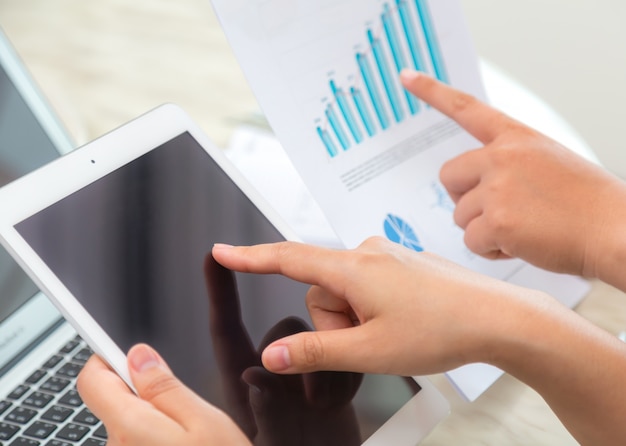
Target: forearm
x,y
577,367
422,314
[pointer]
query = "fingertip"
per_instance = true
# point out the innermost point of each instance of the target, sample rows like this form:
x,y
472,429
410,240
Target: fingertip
x,y
219,251
426,88
150,374
276,358
409,76
221,247
142,357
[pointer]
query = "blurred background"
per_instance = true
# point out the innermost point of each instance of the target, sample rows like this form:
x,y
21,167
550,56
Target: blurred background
x,y
91,58
571,53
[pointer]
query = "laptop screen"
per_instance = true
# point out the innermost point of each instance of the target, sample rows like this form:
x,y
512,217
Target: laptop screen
x,y
24,146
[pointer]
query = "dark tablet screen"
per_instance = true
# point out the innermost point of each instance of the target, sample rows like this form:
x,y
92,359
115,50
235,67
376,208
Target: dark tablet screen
x,y
133,247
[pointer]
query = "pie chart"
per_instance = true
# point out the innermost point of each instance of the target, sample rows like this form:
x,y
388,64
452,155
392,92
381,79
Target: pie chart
x,y
399,231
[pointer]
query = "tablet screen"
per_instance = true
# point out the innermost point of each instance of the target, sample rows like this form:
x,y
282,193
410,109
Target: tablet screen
x,y
132,248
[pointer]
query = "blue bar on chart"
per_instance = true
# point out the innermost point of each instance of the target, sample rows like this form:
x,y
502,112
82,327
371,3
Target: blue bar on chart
x,y
340,98
431,40
359,103
397,53
337,128
362,108
410,33
385,75
328,142
372,89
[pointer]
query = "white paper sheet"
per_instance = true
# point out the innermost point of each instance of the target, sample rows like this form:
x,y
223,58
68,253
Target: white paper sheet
x,y
326,77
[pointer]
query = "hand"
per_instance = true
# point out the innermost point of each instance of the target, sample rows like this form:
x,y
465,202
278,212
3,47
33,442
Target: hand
x,y
382,308
310,409
164,412
523,194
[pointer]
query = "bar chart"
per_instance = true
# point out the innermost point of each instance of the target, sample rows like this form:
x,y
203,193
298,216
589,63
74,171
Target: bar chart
x,y
403,36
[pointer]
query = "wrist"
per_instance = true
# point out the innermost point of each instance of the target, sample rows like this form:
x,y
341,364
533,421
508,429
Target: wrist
x,y
519,330
538,338
606,250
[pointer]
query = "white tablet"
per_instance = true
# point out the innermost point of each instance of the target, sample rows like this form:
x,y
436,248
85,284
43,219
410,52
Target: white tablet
x,y
118,234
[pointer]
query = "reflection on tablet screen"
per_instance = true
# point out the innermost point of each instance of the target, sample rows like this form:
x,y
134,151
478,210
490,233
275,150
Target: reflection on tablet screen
x,y
132,247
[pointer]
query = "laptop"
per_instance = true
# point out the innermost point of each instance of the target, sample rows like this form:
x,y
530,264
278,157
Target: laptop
x,y
40,353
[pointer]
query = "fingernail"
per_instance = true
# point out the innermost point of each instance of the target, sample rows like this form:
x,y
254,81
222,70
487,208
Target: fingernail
x,y
142,358
277,358
222,246
408,75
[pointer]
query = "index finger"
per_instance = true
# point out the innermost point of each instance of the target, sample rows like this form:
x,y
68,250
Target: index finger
x,y
482,121
304,263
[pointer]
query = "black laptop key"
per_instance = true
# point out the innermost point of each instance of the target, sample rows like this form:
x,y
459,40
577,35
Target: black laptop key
x,y
7,431
4,405
36,376
59,443
71,345
69,370
101,432
55,384
52,362
83,355
86,417
38,400
57,414
21,415
94,442
21,441
73,432
39,429
18,392
71,398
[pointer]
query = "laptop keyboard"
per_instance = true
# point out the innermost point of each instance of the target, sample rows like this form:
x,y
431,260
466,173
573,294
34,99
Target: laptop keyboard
x,y
46,409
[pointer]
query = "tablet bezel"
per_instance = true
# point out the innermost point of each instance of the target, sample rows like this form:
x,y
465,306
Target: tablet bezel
x,y
60,178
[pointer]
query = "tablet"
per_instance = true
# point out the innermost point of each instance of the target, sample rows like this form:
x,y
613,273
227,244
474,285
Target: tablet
x,y
118,234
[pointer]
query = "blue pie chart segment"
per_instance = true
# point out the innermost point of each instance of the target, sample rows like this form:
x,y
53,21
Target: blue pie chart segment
x,y
399,231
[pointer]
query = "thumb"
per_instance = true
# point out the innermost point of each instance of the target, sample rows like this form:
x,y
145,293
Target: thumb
x,y
156,384
332,350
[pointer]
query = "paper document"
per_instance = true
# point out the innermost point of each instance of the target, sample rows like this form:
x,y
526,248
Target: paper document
x,y
326,77
325,73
